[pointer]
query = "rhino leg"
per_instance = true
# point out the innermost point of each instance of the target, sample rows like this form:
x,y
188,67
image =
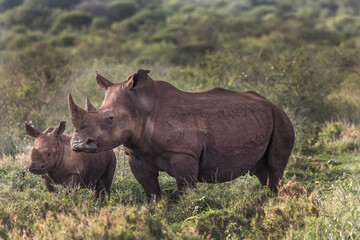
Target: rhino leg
x,y
279,150
262,175
185,169
108,175
100,189
48,183
147,176
72,181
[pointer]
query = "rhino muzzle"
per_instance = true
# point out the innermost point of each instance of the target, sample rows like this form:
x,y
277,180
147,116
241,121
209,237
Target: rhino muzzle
x,y
88,145
37,168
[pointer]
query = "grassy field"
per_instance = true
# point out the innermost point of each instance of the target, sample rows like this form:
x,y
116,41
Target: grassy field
x,y
320,199
301,55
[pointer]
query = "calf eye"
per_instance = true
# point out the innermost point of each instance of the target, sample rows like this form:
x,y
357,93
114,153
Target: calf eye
x,y
110,119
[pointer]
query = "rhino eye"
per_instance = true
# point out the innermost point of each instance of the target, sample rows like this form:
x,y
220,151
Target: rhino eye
x,y
49,154
110,119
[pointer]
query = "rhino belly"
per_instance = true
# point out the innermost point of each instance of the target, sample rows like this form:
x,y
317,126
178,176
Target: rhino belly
x,y
220,175
225,162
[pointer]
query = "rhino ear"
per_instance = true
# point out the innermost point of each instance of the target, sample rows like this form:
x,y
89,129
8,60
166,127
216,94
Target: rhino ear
x,y
102,82
31,131
59,129
48,130
136,78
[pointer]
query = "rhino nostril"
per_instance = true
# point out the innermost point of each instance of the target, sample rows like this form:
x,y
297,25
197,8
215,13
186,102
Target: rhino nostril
x,y
42,167
90,143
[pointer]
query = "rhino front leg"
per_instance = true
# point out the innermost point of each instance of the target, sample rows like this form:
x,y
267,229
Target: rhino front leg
x,y
185,169
48,183
73,181
147,176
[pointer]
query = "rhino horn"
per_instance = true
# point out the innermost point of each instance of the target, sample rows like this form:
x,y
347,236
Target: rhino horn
x,y
89,106
77,114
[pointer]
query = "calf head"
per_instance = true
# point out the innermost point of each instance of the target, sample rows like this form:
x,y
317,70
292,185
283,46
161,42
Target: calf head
x,y
47,150
121,114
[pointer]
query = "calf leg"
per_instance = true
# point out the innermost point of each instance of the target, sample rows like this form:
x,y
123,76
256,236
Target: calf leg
x,y
185,169
109,174
100,189
147,176
72,181
48,183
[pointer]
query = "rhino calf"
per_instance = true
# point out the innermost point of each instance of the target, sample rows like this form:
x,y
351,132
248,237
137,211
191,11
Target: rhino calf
x,y
53,158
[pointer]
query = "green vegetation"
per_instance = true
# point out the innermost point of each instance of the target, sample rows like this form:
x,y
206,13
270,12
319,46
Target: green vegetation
x,y
302,55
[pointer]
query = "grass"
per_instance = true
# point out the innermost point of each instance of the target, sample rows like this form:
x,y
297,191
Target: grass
x,y
319,199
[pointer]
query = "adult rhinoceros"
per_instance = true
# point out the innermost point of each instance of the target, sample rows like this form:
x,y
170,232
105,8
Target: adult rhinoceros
x,y
211,136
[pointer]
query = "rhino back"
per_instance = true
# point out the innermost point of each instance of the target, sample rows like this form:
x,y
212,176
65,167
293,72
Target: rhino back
x,y
224,129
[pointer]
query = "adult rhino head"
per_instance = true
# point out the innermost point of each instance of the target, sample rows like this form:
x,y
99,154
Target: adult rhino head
x,y
47,152
121,114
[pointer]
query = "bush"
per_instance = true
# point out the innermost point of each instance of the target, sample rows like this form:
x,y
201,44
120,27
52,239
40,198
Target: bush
x,y
65,40
124,9
338,137
150,15
99,23
126,26
33,16
98,9
74,19
7,4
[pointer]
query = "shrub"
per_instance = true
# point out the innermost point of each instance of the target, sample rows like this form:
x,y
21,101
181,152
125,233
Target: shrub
x,y
124,9
99,23
338,137
33,16
98,9
65,40
74,19
7,4
126,26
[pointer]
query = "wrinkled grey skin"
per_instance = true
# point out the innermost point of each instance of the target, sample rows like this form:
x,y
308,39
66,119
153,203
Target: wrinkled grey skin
x,y
52,158
210,136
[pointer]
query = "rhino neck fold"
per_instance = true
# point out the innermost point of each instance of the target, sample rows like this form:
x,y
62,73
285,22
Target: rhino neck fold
x,y
59,162
141,136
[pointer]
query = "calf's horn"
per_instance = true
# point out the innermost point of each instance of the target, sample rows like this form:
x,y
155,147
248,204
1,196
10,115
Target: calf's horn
x,y
89,106
77,114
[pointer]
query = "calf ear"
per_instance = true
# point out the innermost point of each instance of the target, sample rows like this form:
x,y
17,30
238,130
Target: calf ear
x,y
136,78
102,82
59,129
31,131
48,130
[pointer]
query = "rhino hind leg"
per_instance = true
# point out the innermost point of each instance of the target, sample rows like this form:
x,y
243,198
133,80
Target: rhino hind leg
x,y
262,175
279,151
100,190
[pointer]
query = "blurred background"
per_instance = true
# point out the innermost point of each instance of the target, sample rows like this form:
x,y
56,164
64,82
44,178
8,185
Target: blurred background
x,y
301,54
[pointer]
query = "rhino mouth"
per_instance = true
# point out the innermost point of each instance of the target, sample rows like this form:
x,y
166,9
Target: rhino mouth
x,y
88,145
37,169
